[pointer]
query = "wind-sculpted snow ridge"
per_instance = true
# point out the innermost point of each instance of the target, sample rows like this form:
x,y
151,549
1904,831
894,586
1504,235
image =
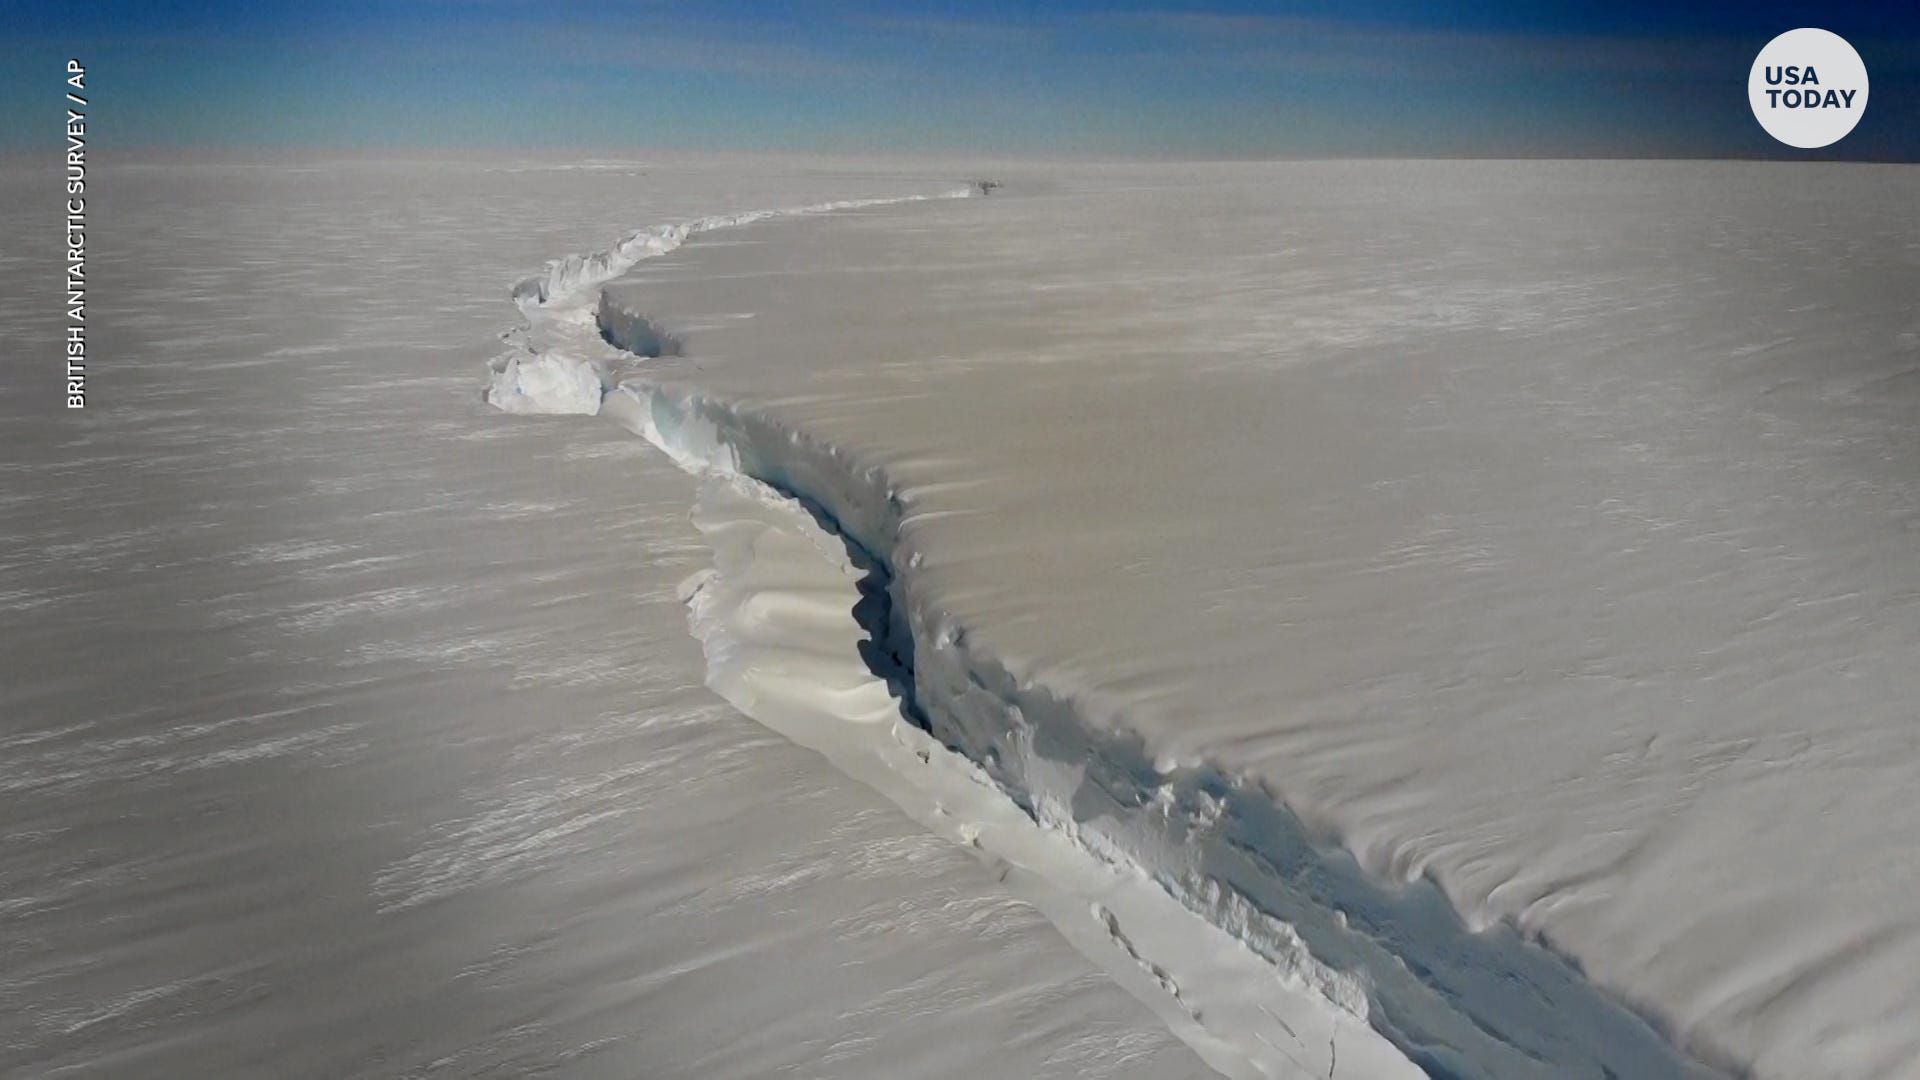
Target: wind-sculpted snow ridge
x,y
552,365
1457,1003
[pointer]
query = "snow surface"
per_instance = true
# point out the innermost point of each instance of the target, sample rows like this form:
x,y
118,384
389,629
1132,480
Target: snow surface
x,y
1443,560
350,729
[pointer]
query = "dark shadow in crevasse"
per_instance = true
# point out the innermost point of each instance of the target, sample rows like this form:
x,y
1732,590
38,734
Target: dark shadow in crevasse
x,y
888,648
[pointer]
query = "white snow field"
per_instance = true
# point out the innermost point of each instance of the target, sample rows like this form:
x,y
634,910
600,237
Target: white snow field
x,y
349,729
1488,591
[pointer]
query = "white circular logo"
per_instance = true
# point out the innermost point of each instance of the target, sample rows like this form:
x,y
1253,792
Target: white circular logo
x,y
1808,88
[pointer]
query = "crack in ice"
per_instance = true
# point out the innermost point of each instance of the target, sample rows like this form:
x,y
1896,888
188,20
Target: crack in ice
x,y
1456,1002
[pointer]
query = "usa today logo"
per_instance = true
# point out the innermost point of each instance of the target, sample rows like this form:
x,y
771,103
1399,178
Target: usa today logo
x,y
1808,88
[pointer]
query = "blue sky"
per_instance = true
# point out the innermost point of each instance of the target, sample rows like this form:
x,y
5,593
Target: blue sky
x,y
1386,77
